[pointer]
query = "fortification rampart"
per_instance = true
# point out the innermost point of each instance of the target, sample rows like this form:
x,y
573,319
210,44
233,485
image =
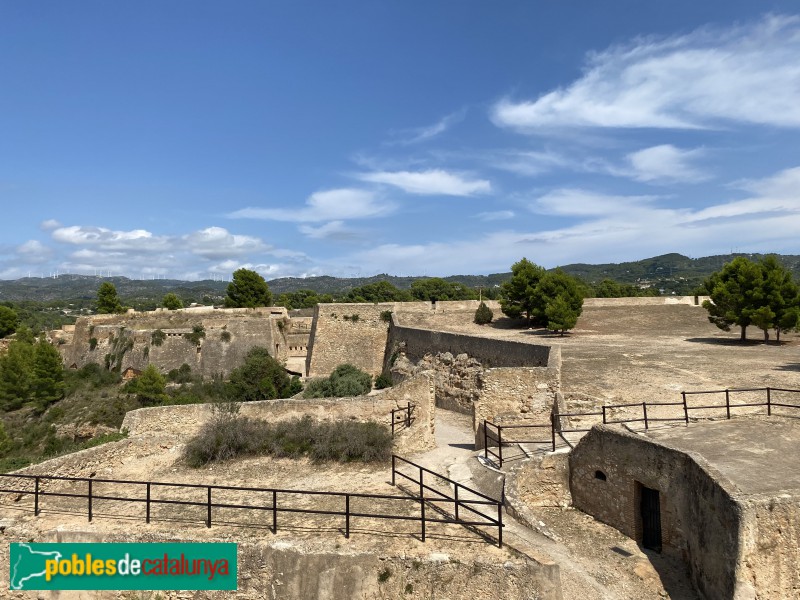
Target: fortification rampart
x,y
188,419
161,337
646,301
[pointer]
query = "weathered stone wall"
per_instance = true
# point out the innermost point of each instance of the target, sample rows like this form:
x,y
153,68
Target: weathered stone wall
x,y
126,341
646,301
416,343
700,519
188,419
769,548
542,480
337,337
282,570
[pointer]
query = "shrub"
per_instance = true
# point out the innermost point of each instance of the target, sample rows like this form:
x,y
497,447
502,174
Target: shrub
x,y
229,435
346,380
484,314
149,387
183,374
383,381
386,316
92,343
158,337
198,333
225,336
261,377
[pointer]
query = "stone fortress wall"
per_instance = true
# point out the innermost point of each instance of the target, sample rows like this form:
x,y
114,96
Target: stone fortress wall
x,y
127,341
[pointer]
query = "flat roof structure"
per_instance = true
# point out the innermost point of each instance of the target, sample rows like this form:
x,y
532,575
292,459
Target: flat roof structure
x,y
755,454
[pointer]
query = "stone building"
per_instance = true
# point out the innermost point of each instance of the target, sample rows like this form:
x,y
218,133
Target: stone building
x,y
724,496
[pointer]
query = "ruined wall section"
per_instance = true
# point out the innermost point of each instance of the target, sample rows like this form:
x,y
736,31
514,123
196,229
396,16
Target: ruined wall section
x,y
415,343
128,342
348,333
186,420
698,509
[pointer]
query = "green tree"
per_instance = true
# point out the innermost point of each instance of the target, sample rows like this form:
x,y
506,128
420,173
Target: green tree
x,y
171,302
380,291
149,387
345,381
436,288
484,314
107,299
48,374
8,321
303,299
261,377
553,285
247,289
781,309
517,294
736,294
16,372
560,314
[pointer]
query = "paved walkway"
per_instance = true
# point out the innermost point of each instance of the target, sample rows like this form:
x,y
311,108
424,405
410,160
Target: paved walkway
x,y
603,572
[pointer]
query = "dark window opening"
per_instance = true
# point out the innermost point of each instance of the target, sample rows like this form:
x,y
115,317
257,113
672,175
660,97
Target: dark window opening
x,y
600,475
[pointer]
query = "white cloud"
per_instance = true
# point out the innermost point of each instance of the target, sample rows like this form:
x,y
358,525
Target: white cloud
x,y
423,134
433,182
748,74
666,163
496,215
217,242
531,163
326,205
582,203
139,239
49,225
335,230
33,252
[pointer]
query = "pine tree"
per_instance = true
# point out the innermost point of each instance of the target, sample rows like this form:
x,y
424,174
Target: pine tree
x,y
484,314
247,290
107,299
561,316
48,375
16,374
517,294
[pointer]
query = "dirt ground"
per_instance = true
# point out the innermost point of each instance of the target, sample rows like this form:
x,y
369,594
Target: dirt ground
x,y
615,354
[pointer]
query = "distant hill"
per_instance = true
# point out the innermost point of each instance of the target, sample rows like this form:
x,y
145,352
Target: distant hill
x,y
670,272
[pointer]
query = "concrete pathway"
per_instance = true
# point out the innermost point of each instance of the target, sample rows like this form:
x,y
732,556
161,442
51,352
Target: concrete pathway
x,y
593,574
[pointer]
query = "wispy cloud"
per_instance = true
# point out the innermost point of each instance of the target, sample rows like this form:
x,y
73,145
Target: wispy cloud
x,y
335,230
433,182
708,78
217,242
582,203
423,134
326,205
666,164
496,215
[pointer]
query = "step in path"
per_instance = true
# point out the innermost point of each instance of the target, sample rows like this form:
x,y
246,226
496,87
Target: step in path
x,y
595,561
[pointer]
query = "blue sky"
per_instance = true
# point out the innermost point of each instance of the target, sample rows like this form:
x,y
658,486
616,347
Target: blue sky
x,y
186,139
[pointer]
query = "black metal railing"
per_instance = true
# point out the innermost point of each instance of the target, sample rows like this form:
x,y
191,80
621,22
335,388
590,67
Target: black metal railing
x,y
459,500
402,418
271,500
494,438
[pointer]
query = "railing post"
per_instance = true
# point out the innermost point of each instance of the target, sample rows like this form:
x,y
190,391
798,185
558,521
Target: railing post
x,y
685,408
36,497
500,444
347,516
485,441
393,468
208,506
604,414
553,430
728,403
408,415
147,504
90,500
769,403
499,524
275,508
644,409
422,502
392,413
456,498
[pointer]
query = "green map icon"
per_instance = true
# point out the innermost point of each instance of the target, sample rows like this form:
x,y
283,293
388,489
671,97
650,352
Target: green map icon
x,y
27,565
